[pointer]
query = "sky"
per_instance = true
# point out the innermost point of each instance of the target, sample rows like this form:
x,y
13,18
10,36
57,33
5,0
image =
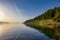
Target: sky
x,y
21,10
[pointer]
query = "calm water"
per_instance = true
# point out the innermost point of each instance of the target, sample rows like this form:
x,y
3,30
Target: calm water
x,y
20,32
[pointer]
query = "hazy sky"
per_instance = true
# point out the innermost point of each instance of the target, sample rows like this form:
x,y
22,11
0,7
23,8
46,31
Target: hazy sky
x,y
20,10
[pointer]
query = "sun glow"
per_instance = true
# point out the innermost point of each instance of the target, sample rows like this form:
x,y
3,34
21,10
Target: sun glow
x,y
1,15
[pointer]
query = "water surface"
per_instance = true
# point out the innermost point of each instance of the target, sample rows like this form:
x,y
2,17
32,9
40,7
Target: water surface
x,y
20,32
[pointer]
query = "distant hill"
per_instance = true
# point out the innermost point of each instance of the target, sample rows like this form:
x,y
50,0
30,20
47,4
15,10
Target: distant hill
x,y
3,22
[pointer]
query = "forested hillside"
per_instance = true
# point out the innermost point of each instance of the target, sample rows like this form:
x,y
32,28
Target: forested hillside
x,y
49,14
